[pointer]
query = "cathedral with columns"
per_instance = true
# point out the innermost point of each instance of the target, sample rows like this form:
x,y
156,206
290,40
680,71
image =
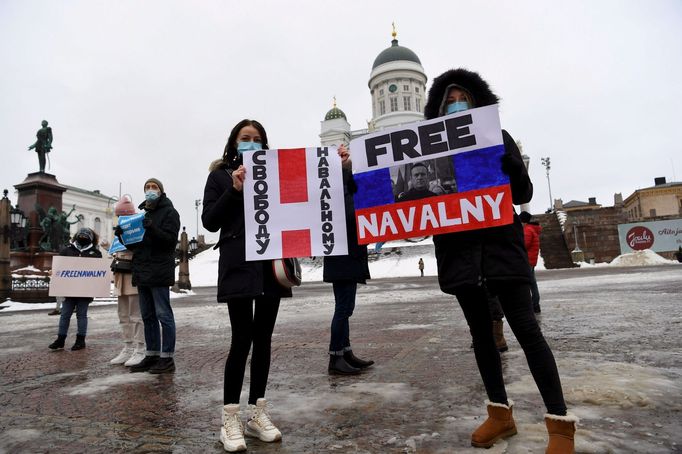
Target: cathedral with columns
x,y
397,84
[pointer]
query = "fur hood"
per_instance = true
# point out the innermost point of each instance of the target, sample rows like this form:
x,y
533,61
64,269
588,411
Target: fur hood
x,y
217,164
461,78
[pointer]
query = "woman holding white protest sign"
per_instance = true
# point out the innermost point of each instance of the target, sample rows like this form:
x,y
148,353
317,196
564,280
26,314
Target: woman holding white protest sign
x,y
495,258
129,316
345,272
84,244
249,288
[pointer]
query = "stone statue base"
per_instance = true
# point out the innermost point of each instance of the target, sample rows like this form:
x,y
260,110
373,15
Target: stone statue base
x,y
43,189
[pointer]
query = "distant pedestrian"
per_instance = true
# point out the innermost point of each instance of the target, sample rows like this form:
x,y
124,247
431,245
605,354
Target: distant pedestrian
x,y
421,266
153,274
129,318
345,272
531,238
84,244
249,288
470,262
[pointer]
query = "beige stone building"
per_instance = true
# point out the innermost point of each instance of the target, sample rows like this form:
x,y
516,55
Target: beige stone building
x,y
662,199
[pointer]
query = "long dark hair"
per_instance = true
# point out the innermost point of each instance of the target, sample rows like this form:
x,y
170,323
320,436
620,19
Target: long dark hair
x,y
230,155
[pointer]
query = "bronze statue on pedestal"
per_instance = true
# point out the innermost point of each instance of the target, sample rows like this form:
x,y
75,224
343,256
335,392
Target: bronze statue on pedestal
x,y
43,145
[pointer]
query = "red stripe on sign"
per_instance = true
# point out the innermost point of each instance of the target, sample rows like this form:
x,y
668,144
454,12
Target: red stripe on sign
x,y
296,243
293,177
470,210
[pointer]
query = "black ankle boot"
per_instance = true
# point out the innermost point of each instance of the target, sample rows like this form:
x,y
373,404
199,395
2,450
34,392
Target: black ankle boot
x,y
79,344
57,344
339,366
355,361
145,364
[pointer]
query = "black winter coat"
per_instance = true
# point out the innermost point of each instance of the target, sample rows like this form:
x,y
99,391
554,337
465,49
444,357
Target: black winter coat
x,y
351,267
154,256
72,251
492,254
224,210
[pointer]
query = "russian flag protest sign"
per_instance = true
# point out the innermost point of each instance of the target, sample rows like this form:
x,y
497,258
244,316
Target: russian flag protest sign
x,y
431,177
293,203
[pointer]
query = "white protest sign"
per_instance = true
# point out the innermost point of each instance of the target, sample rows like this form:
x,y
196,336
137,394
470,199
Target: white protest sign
x,y
80,277
293,203
456,133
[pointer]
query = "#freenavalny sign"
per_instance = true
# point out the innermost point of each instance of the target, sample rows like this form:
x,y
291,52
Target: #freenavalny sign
x,y
293,203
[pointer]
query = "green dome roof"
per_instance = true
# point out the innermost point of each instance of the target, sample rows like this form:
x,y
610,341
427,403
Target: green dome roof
x,y
335,112
395,53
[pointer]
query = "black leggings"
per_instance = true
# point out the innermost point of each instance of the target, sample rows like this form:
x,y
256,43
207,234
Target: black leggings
x,y
249,327
516,303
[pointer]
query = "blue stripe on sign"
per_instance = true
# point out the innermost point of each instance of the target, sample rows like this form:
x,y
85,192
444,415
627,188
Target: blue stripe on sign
x,y
479,169
476,169
374,188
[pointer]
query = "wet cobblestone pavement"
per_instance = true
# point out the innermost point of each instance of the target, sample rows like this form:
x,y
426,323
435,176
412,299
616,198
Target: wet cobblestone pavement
x,y
424,394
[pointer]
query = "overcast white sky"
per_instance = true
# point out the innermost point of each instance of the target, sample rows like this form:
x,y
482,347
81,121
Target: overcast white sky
x,y
136,89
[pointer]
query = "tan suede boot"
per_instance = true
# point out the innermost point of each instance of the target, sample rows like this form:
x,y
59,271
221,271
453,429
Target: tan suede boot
x,y
500,424
561,430
498,334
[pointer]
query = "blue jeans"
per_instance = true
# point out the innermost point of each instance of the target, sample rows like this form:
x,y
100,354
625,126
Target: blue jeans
x,y
155,309
344,295
81,306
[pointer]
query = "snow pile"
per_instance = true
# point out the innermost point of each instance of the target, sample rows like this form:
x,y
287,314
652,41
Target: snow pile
x,y
640,258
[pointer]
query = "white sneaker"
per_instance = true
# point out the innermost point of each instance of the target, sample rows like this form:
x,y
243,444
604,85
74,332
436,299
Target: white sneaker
x,y
232,431
137,356
124,355
259,424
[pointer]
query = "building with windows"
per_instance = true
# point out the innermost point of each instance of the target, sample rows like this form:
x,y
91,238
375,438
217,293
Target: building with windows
x,y
660,200
89,209
397,84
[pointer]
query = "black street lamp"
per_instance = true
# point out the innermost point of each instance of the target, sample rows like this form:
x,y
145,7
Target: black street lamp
x,y
545,162
193,246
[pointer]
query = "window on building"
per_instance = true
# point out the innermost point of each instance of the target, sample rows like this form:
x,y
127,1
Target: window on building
x,y
406,103
416,89
652,212
98,226
406,88
418,103
382,107
381,92
394,104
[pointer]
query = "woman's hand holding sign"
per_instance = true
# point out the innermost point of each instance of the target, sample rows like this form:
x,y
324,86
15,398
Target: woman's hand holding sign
x,y
238,178
345,155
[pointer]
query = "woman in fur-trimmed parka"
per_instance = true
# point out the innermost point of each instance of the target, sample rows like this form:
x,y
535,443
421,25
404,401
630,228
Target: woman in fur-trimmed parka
x,y
496,259
249,288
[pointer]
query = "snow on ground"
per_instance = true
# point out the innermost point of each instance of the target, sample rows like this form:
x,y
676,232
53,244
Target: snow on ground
x,y
640,258
394,259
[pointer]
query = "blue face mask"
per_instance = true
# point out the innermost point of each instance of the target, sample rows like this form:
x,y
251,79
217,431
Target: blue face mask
x,y
457,106
248,146
150,196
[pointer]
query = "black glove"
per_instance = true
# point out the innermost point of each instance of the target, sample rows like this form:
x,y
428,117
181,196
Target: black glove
x,y
147,222
512,165
118,231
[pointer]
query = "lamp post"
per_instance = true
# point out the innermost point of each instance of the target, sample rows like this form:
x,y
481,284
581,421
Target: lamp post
x,y
183,271
193,246
545,162
5,276
197,202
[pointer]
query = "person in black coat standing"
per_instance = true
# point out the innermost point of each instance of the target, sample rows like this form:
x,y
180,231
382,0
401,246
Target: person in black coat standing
x,y
345,272
84,244
495,258
153,274
249,288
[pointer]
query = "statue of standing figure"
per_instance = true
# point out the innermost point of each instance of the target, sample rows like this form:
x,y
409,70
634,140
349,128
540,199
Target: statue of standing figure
x,y
43,145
